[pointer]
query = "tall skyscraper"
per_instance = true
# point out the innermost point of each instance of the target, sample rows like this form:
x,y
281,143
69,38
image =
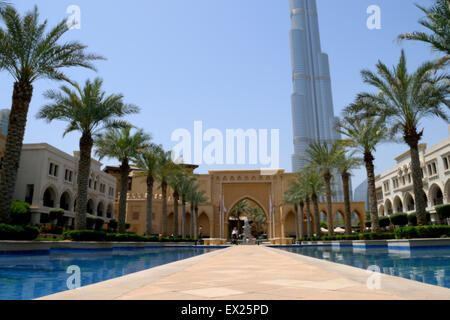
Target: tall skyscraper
x,y
312,103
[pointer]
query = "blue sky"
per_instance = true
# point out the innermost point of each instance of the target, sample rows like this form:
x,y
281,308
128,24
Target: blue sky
x,y
225,62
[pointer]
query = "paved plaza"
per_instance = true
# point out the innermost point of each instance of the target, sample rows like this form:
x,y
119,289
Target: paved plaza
x,y
253,273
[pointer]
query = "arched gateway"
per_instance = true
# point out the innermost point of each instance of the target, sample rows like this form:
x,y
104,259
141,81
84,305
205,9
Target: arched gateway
x,y
224,190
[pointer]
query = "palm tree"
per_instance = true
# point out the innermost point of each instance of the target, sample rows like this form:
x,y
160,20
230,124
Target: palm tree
x,y
122,145
404,100
181,183
3,5
365,134
27,53
296,195
243,207
147,162
185,187
173,180
198,198
437,21
316,187
166,167
259,218
345,163
322,156
89,111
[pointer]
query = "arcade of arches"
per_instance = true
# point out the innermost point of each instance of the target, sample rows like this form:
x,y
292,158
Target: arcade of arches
x,y
231,187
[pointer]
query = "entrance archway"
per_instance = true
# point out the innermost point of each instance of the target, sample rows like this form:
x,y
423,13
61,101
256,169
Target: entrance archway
x,y
246,208
204,225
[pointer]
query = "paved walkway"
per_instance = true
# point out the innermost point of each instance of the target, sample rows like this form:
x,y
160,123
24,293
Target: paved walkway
x,y
253,272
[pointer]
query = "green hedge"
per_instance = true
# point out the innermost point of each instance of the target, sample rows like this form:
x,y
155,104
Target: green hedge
x,y
20,213
399,219
91,235
376,236
10,232
84,235
443,211
360,236
422,232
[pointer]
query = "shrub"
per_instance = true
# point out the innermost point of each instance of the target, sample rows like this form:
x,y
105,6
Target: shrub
x,y
99,222
58,215
368,223
20,213
30,233
84,235
10,232
90,221
399,219
384,221
323,225
113,224
412,218
443,211
422,232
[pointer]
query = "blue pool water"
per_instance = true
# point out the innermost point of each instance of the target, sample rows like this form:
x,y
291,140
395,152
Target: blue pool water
x,y
30,276
430,266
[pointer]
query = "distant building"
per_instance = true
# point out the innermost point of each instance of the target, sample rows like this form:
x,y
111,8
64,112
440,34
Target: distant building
x,y
361,194
47,178
395,186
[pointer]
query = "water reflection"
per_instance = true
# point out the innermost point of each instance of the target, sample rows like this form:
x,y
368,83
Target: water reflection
x,y
428,266
25,277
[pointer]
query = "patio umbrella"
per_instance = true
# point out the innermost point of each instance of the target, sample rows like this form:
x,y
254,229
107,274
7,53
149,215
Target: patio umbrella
x,y
339,230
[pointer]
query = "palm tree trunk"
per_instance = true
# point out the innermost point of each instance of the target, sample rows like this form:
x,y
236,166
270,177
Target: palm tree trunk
x,y
124,173
164,207
368,160
413,141
302,219
191,233
16,130
297,231
330,213
183,217
316,214
308,217
149,212
196,223
176,216
84,170
347,217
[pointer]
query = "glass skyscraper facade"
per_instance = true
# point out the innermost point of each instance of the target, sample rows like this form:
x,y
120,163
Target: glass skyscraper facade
x,y
312,103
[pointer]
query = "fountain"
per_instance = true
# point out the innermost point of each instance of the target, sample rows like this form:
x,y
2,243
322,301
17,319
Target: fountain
x,y
247,231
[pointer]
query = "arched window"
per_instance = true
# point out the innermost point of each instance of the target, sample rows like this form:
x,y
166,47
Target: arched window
x,y
49,198
64,202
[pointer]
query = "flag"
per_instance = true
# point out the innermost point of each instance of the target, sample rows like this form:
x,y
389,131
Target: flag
x,y
271,206
223,201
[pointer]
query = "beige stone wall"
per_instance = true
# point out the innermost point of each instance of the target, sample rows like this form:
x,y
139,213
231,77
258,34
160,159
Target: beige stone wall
x,y
232,187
